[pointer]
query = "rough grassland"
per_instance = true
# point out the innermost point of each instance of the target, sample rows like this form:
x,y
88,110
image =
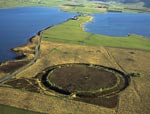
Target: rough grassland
x,y
73,33
12,110
134,100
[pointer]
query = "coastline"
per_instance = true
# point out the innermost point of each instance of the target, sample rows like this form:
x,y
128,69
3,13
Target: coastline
x,y
30,56
82,24
25,54
38,34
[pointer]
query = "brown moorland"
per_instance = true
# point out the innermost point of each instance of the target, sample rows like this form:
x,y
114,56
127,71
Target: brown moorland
x,y
133,100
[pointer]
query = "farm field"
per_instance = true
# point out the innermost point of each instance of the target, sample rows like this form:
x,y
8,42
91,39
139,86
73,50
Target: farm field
x,y
82,6
73,32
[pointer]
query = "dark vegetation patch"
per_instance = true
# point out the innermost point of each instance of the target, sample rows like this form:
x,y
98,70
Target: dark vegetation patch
x,y
81,42
23,84
108,101
115,10
146,2
135,74
132,52
138,9
12,66
129,59
81,78
74,5
20,57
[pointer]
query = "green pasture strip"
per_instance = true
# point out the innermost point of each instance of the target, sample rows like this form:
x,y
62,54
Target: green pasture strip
x,y
15,3
20,3
87,10
72,32
82,6
88,7
12,110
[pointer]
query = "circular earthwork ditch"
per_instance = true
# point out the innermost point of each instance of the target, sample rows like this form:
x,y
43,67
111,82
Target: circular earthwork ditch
x,y
84,80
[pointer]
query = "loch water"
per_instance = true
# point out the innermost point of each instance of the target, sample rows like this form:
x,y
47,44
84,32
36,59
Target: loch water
x,y
119,24
18,25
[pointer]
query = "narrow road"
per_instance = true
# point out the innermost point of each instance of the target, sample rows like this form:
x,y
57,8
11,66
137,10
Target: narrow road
x,y
37,49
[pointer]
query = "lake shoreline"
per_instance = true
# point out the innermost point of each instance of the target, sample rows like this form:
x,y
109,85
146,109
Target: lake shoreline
x,y
114,24
23,50
21,28
82,24
37,34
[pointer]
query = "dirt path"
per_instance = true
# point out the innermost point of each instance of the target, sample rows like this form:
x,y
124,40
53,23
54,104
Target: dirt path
x,y
112,59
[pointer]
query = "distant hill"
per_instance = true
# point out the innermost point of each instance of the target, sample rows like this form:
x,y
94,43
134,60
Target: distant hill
x,y
146,2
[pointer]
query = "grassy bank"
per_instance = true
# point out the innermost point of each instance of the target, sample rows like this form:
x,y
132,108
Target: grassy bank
x,y
72,32
12,110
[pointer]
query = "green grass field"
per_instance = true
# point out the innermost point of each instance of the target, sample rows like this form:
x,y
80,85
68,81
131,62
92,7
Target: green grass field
x,y
12,110
75,5
72,32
